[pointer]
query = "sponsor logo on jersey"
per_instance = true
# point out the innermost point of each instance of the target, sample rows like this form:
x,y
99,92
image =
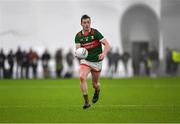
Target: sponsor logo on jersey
x,y
91,45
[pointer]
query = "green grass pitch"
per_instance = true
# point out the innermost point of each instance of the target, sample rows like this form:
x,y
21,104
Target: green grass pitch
x,y
121,100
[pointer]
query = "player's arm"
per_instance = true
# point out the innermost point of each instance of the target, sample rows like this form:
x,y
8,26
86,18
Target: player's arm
x,y
77,42
78,45
106,46
106,49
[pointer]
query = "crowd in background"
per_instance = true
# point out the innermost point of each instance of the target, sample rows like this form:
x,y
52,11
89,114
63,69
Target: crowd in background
x,y
25,63
20,62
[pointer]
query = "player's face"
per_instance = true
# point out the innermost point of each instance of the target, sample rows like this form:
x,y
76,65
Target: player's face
x,y
86,24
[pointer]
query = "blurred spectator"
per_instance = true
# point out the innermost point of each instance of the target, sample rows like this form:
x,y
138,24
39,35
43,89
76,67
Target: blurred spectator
x,y
45,63
154,58
110,63
19,58
169,61
144,63
69,60
176,61
125,59
116,58
2,64
33,61
136,66
25,65
10,58
59,63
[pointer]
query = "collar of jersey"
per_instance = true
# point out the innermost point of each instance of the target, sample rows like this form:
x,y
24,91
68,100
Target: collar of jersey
x,y
83,31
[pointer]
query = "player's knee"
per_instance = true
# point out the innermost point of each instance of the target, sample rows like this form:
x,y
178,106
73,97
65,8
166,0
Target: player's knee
x,y
95,84
82,77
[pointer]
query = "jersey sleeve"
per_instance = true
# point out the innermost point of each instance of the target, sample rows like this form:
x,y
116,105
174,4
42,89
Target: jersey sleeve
x,y
77,40
99,36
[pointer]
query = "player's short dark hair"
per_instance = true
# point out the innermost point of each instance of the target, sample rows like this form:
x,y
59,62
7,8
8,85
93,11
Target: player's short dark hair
x,y
85,17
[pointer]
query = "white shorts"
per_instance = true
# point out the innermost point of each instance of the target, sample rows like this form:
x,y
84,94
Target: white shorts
x,y
95,66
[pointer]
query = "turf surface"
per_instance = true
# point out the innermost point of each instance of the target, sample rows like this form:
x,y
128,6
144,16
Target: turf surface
x,y
121,100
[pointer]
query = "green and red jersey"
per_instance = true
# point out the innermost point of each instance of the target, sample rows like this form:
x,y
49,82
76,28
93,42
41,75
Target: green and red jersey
x,y
92,42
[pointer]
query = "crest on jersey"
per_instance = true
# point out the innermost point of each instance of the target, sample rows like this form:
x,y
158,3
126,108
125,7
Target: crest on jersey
x,y
86,38
81,40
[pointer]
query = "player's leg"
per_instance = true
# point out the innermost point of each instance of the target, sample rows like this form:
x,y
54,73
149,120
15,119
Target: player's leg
x,y
96,85
84,71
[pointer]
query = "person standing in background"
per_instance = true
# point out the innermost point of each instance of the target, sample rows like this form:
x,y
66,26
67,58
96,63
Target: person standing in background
x,y
25,65
33,61
154,58
125,60
19,58
175,61
110,63
45,63
59,63
2,65
144,63
10,58
70,63
116,58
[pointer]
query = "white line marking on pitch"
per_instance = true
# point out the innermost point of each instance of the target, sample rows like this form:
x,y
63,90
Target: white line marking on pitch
x,y
62,106
75,86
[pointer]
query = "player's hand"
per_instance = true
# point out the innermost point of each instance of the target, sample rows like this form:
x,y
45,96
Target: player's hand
x,y
101,56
